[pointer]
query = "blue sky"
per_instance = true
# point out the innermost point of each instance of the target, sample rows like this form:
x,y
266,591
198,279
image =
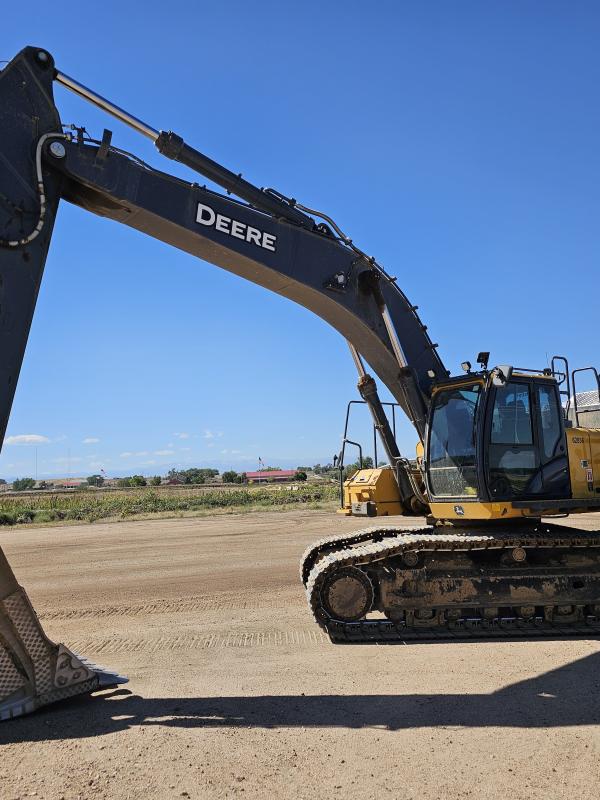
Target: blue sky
x,y
457,142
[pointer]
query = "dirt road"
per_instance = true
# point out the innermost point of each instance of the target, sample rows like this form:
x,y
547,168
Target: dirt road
x,y
234,692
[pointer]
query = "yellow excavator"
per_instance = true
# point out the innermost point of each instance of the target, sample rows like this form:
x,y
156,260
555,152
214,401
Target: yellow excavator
x,y
499,447
499,453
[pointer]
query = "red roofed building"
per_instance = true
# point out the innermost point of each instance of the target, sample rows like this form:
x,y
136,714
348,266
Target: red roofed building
x,y
271,476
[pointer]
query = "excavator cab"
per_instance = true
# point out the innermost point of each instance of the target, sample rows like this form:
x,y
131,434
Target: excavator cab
x,y
499,444
492,442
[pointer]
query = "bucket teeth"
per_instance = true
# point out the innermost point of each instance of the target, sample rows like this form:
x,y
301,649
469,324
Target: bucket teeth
x,y
106,677
34,671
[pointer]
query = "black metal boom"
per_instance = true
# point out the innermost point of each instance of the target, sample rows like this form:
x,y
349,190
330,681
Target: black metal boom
x,y
265,239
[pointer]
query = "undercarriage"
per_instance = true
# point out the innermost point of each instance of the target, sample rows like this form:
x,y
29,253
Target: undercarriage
x,y
384,584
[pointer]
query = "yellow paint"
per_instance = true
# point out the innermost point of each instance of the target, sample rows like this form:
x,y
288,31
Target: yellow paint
x,y
476,510
467,383
420,452
377,486
461,509
583,447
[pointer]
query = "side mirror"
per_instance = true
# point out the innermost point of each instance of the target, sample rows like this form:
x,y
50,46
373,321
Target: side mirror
x,y
501,374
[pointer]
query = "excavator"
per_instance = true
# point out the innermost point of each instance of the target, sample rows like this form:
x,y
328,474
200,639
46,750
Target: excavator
x,y
501,451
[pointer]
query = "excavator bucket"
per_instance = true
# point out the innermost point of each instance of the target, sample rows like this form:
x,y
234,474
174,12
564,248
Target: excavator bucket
x,y
33,670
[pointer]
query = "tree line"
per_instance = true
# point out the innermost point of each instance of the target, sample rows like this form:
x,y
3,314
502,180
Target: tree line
x,y
201,475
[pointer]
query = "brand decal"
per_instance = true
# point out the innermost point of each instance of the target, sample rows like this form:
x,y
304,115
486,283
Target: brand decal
x,y
206,215
459,511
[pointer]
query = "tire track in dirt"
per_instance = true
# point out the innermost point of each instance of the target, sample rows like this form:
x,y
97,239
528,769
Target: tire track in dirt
x,y
201,641
164,606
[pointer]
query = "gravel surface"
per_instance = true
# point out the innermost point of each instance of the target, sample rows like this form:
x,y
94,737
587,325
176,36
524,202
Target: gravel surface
x,y
235,692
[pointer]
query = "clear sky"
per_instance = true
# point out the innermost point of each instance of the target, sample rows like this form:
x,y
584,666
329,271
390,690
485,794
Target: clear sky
x,y
457,142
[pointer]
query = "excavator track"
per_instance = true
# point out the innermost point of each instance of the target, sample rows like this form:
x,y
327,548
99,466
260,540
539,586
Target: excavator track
x,y
340,541
371,550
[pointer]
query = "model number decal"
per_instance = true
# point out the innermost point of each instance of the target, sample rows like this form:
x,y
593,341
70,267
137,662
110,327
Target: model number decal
x,y
578,440
233,227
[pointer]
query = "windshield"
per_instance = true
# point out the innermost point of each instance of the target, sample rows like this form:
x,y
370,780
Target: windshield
x,y
451,461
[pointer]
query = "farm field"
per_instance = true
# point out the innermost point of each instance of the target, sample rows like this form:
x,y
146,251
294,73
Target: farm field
x,y
234,691
92,505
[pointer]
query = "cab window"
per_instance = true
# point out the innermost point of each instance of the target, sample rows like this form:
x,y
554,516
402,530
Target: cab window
x,y
550,421
451,463
513,459
511,421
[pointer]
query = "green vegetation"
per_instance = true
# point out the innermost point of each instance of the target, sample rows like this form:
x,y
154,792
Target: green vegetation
x,y
95,480
193,475
332,471
132,480
233,477
350,469
91,506
23,484
323,470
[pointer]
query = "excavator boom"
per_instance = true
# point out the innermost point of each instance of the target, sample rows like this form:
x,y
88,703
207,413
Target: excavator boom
x,y
259,235
265,239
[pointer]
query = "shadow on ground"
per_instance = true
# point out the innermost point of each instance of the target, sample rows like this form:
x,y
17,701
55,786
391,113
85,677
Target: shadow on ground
x,y
566,696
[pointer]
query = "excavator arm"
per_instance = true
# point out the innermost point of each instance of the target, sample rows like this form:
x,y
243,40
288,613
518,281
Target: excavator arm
x,y
262,237
255,233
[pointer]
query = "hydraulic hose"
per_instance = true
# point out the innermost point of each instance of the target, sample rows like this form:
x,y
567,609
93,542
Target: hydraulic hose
x,y
41,192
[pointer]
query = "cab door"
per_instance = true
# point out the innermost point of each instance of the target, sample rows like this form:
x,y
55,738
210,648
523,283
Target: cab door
x,y
512,455
526,455
554,478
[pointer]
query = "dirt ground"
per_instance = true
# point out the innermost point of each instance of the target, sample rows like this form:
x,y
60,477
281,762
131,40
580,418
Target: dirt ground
x,y
234,692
